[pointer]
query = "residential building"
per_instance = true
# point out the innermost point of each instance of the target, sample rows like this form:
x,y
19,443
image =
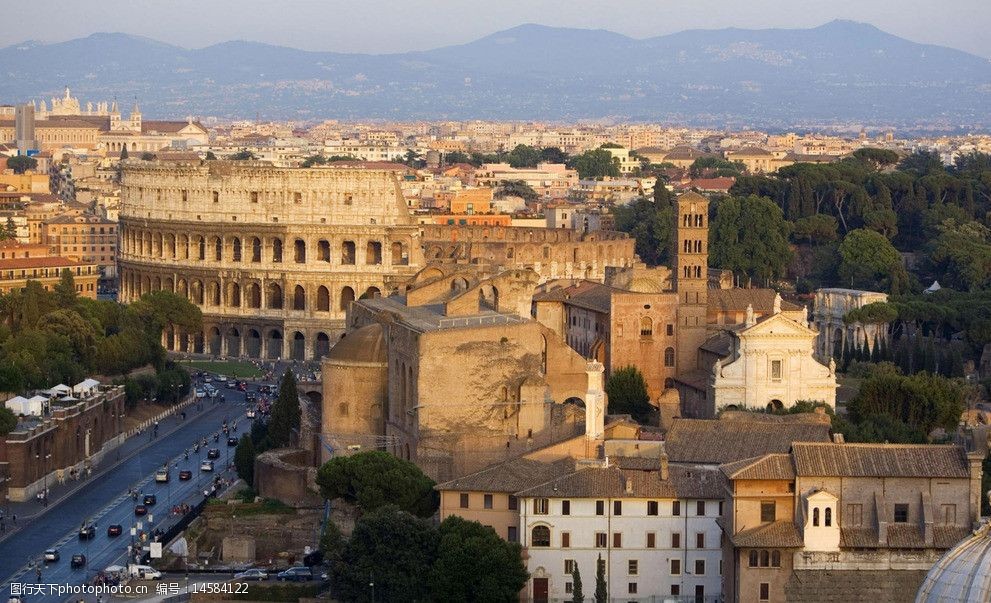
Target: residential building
x,y
16,272
87,238
549,180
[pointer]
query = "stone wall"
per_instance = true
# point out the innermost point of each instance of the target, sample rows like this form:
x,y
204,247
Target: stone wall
x,y
287,475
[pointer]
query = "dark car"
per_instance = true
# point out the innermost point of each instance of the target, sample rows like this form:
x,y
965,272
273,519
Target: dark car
x,y
295,574
140,510
115,530
250,397
214,453
185,475
232,442
87,532
77,561
150,499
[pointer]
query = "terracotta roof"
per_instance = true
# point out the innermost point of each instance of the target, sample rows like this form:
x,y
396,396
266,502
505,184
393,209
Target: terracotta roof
x,y
718,441
777,534
737,300
879,460
46,262
750,152
684,153
901,536
604,482
720,344
707,184
858,538
771,466
512,476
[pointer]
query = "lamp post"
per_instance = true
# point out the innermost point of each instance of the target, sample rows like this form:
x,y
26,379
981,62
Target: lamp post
x,y
41,456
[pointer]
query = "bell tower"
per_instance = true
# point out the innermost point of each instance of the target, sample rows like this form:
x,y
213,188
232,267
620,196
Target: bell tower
x,y
692,278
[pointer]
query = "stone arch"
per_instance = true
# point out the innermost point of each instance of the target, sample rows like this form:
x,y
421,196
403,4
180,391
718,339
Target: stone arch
x,y
323,250
217,245
170,246
169,338
254,295
299,298
234,295
157,284
198,347
276,250
168,285
373,253
371,293
256,250
236,249
298,350
299,251
233,342
488,297
273,344
400,255
321,345
323,299
459,284
348,253
775,405
253,343
273,296
196,292
213,339
182,288
213,293
347,296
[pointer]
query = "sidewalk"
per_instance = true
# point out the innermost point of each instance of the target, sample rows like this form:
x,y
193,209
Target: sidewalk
x,y
28,511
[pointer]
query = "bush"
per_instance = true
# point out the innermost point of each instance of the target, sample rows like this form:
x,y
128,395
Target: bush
x,y
371,480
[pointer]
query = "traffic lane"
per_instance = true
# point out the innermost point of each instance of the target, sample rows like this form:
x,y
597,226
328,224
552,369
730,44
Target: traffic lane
x,y
24,546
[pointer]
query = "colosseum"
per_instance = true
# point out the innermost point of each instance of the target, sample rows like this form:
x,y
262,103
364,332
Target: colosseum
x,y
274,256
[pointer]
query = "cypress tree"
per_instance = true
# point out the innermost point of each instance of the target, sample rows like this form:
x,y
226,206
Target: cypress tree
x,y
285,412
876,351
577,596
601,593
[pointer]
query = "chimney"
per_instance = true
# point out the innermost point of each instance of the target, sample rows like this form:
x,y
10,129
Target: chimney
x,y
595,402
664,467
628,483
838,438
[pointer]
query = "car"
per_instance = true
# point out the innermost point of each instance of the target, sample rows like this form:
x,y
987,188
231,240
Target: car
x,y
114,530
222,378
150,500
162,476
232,442
252,574
250,397
78,560
185,475
213,453
146,572
140,510
231,385
242,386
200,393
295,574
51,556
252,413
206,466
87,531
208,379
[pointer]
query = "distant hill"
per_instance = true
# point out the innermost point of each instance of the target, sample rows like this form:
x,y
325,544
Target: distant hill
x,y
839,72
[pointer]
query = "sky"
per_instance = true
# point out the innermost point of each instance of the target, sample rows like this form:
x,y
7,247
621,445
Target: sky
x,y
383,26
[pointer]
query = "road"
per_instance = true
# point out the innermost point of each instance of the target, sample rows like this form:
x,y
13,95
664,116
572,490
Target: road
x,y
105,499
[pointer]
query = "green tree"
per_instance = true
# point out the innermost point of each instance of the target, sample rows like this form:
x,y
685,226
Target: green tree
x,y
392,549
922,163
553,155
595,164
464,547
21,163
961,255
412,159
815,229
524,156
244,460
712,166
371,480
750,237
456,157
243,155
123,152
516,188
652,226
332,542
313,160
601,592
9,230
922,401
869,261
163,309
65,290
577,596
876,158
8,421
285,412
627,391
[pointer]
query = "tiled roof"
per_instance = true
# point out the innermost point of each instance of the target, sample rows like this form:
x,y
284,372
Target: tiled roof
x,y
777,534
858,538
879,460
737,300
697,482
607,482
718,441
720,344
946,537
852,586
511,476
901,536
46,262
771,466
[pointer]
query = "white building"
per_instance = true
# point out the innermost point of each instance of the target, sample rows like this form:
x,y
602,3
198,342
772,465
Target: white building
x,y
653,527
831,306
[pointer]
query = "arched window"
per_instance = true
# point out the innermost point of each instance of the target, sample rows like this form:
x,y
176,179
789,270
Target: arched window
x,y
254,296
815,517
540,536
234,296
274,296
669,357
276,250
218,249
299,298
323,299
373,253
347,253
753,559
236,249
775,558
256,250
828,517
646,327
299,247
347,296
323,250
765,559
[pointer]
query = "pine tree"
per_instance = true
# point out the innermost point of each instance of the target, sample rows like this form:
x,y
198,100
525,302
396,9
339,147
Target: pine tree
x,y
847,355
601,592
285,412
65,290
577,596
123,153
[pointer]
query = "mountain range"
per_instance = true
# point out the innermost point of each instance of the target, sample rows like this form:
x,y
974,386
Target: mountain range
x,y
840,72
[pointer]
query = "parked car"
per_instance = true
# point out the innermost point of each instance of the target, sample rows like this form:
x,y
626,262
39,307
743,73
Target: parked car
x,y
242,386
232,441
115,530
200,393
140,510
185,475
206,466
208,379
78,560
146,572
295,574
213,453
251,413
250,397
162,476
222,378
252,574
51,556
87,531
150,500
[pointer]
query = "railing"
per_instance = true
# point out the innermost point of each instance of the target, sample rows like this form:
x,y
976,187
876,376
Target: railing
x,y
478,321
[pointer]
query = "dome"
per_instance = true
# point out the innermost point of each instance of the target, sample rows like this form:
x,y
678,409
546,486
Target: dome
x,y
963,574
366,344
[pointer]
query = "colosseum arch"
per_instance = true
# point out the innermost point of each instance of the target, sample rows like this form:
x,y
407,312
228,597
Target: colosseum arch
x,y
298,351
276,250
170,246
435,252
299,298
200,244
167,284
323,299
236,249
274,294
400,255
146,243
198,343
347,296
273,344
157,284
373,253
159,250
183,247
323,250
371,293
253,343
299,251
254,295
233,342
348,253
182,288
321,345
234,295
213,340
169,336
488,297
197,292
256,250
217,244
213,293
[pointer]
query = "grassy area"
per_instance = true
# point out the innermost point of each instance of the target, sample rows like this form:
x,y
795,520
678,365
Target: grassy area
x,y
231,368
268,506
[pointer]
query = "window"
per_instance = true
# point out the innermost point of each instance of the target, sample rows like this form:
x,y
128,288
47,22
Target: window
x,y
775,558
669,329
600,507
815,517
700,540
752,559
767,511
776,370
565,540
676,508
651,507
569,566
765,558
617,540
540,506
464,500
720,512
676,567
901,513
569,588
565,507
854,515
699,593
633,566
487,501
254,197
600,540
216,197
700,508
700,567
828,517
676,589
632,588
512,534
651,540
617,507
675,540
765,591
540,536
514,503
646,327
669,357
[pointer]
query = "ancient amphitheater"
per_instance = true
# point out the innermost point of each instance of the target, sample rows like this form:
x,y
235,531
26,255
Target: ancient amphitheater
x,y
274,256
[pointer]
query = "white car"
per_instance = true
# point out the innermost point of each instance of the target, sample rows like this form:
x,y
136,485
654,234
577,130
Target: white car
x,y
251,413
222,378
51,555
252,574
206,466
207,379
162,476
146,572
200,393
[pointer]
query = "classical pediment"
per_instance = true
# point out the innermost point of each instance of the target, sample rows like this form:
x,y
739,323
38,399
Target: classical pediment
x,y
778,324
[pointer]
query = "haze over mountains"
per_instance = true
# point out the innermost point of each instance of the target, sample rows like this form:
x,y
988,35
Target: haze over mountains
x,y
839,72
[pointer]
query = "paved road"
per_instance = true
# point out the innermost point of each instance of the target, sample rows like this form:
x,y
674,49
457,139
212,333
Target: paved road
x,y
104,499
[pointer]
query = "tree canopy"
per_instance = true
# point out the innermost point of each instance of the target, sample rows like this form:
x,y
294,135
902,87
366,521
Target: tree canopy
x,y
371,480
464,547
869,261
750,237
21,163
627,393
286,413
595,164
243,155
524,156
